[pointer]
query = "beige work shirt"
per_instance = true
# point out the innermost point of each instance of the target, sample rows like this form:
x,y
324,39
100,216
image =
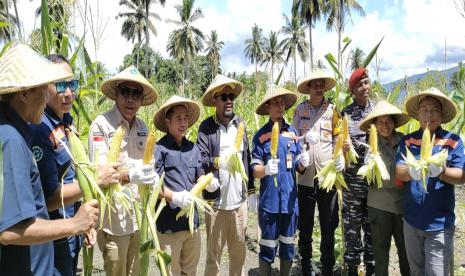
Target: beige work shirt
x,y
324,120
132,151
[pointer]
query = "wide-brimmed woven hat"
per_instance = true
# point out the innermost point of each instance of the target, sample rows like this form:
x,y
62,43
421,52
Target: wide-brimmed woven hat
x,y
193,111
384,108
449,110
110,86
22,68
274,91
304,86
220,84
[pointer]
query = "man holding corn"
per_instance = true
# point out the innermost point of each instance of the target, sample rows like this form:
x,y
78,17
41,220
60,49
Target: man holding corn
x,y
354,200
317,122
276,156
26,232
216,141
180,161
119,238
429,198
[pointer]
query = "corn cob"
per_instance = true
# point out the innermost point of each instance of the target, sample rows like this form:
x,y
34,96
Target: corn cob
x,y
239,137
351,155
196,191
115,146
234,162
426,156
149,146
375,171
329,176
274,146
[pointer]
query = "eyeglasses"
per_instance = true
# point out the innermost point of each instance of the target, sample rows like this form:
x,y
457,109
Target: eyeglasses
x,y
62,85
130,92
224,97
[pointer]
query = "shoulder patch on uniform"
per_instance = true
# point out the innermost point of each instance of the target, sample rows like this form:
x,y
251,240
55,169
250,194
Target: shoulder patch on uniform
x,y
38,153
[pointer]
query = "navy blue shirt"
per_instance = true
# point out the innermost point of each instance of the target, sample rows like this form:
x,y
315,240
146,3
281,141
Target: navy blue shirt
x,y
182,167
52,159
23,198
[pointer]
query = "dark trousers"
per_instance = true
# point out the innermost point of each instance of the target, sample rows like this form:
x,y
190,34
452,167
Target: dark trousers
x,y
328,215
385,225
66,255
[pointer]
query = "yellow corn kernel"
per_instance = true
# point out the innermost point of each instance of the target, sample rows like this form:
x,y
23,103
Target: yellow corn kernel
x,y
202,183
239,137
149,146
345,127
373,139
338,147
426,145
115,146
274,140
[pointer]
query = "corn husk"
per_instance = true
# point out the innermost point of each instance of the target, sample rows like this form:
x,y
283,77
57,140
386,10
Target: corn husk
x,y
375,171
234,161
350,156
329,174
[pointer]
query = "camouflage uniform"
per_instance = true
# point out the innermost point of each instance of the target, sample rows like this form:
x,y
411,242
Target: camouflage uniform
x,y
354,203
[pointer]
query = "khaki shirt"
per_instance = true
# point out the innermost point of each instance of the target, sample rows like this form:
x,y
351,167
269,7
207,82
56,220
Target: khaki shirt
x,y
132,151
324,120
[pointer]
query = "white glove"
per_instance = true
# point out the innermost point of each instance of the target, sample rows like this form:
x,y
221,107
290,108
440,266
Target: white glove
x,y
272,167
222,163
182,199
213,186
368,157
340,163
305,157
144,175
415,173
252,203
434,171
312,137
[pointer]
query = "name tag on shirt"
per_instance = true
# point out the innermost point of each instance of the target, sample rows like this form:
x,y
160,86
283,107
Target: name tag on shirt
x,y
289,161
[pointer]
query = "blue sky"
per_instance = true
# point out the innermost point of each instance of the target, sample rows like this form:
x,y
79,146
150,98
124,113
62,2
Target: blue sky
x,y
415,32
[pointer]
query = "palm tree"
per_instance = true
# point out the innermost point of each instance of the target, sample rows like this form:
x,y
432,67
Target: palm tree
x,y
7,32
337,12
295,41
135,22
356,58
310,12
254,46
213,51
272,54
147,34
184,43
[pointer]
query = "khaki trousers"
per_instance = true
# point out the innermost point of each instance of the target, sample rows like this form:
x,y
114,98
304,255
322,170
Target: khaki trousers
x,y
226,226
184,250
120,253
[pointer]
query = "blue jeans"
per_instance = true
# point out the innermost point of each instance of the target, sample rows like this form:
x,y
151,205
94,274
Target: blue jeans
x,y
429,253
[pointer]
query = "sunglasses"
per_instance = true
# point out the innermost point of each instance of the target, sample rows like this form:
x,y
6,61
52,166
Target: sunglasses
x,y
61,86
130,92
224,97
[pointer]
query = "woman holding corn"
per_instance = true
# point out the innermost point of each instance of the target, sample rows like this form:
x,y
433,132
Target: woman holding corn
x,y
385,203
180,161
119,238
26,232
276,156
429,198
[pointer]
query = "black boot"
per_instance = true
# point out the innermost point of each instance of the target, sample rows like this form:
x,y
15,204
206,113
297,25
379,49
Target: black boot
x,y
306,266
285,267
264,268
369,269
327,270
352,270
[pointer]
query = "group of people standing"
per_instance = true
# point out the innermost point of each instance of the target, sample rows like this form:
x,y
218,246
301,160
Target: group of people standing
x,y
38,236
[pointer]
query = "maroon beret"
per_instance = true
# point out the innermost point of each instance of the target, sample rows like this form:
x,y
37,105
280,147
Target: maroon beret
x,y
356,76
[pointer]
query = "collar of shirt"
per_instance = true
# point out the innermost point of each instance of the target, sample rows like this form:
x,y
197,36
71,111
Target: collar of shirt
x,y
235,120
269,126
169,141
117,118
12,117
67,119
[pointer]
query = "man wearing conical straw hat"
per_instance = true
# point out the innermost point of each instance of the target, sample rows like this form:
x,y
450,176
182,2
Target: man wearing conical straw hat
x,y
429,210
278,207
354,199
216,138
385,203
317,123
180,161
26,233
119,238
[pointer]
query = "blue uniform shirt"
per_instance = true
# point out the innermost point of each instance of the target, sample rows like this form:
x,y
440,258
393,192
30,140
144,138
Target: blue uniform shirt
x,y
182,167
52,159
23,198
282,199
432,210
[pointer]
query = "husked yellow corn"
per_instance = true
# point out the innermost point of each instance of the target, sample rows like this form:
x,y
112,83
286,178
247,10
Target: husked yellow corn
x,y
274,140
239,137
426,145
345,127
149,146
373,139
115,146
201,184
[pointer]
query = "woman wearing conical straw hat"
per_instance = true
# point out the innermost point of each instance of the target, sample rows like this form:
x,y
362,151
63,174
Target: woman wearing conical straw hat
x,y
429,199
119,239
278,207
385,203
26,233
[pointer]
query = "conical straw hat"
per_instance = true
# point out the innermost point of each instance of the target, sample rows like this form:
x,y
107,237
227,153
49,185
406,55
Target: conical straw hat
x,y
381,109
304,86
274,91
193,111
22,68
110,86
449,110
220,84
